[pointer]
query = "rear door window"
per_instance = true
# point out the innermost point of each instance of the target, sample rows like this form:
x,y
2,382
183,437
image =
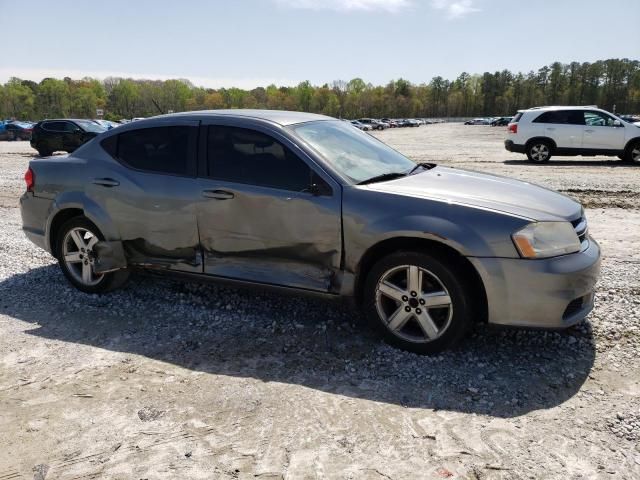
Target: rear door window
x,y
250,157
168,150
561,117
555,117
54,126
70,127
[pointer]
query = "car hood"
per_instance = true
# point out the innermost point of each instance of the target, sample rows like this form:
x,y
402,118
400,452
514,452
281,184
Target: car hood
x,y
484,191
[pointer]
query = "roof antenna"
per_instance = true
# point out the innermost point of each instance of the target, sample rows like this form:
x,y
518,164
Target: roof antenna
x,y
157,106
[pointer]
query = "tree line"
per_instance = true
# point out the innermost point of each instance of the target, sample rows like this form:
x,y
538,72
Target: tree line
x,y
610,84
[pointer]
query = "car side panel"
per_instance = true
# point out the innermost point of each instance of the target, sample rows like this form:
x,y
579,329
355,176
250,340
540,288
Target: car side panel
x,y
372,217
154,215
272,236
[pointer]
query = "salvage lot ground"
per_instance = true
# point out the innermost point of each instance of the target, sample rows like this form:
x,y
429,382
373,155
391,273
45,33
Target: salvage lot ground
x,y
171,380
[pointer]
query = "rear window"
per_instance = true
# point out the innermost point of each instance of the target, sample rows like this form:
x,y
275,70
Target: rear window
x,y
54,126
158,149
516,118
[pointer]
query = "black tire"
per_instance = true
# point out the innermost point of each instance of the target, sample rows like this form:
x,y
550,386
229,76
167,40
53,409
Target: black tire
x,y
107,281
632,153
44,153
539,151
453,324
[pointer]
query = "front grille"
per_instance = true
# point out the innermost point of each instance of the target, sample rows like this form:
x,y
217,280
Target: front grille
x,y
582,230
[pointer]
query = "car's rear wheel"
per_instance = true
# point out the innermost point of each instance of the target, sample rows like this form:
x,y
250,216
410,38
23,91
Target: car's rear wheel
x,y
539,151
633,153
44,153
417,302
76,255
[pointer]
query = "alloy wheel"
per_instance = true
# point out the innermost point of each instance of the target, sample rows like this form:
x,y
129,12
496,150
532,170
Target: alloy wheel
x,y
635,154
413,303
540,152
79,256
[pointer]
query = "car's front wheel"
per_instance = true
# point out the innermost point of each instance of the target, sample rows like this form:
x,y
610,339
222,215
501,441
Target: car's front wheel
x,y
633,153
539,151
417,302
75,252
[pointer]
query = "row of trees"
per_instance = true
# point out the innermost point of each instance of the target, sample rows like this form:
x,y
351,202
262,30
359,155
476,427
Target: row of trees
x,y
607,83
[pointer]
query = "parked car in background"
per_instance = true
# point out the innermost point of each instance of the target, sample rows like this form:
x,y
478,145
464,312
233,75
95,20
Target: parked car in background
x,y
392,123
64,135
15,130
542,132
232,196
108,124
410,122
501,121
631,119
361,126
373,123
478,121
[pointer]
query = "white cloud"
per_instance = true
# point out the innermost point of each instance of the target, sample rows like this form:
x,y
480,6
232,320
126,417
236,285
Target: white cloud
x,y
37,74
348,5
455,8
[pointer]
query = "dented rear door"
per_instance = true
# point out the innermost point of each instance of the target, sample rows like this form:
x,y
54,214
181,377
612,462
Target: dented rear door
x,y
151,194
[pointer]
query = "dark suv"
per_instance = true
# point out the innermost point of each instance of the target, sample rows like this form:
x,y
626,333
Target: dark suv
x,y
52,135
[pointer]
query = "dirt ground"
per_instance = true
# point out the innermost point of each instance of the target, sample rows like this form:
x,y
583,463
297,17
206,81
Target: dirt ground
x,y
166,379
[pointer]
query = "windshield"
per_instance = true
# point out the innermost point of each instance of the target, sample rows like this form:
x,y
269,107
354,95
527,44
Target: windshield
x,y
353,153
90,126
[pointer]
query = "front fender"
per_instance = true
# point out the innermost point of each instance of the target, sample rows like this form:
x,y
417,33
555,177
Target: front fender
x,y
370,218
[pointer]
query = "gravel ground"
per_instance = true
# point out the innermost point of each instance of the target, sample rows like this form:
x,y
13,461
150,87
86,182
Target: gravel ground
x,y
166,379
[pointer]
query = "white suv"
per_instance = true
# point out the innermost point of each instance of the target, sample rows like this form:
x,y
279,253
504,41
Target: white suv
x,y
541,132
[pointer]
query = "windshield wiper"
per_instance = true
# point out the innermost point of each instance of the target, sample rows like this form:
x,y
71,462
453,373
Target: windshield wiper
x,y
426,166
383,177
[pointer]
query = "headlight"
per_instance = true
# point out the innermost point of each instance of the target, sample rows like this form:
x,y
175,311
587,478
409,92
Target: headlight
x,y
546,239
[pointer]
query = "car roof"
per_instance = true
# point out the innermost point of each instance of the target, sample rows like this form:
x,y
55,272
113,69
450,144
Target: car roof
x,y
65,120
561,107
281,117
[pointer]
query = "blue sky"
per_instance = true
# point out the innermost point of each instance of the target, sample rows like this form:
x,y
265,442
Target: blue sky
x,y
249,43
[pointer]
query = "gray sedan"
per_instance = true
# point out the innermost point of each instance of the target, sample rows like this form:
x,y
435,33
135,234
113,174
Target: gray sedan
x,y
305,202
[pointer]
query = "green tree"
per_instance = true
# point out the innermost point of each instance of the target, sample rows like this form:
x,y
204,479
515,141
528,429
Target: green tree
x,y
16,100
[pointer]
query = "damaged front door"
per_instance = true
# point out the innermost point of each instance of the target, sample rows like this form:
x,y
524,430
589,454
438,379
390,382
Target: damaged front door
x,y
265,215
151,193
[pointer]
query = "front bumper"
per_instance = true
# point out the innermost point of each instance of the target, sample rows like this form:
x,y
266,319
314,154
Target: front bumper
x,y
513,147
547,293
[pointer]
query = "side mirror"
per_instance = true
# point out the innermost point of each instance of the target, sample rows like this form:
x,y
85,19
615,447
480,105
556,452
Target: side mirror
x,y
319,190
617,123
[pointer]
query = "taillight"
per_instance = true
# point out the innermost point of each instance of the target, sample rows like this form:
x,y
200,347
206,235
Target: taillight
x,y
513,127
30,179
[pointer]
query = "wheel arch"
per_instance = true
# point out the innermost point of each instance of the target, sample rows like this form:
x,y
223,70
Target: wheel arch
x,y
73,204
630,143
541,138
59,219
441,250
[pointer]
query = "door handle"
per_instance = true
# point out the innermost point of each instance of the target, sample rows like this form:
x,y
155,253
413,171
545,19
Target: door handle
x,y
589,131
217,194
106,182
550,129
